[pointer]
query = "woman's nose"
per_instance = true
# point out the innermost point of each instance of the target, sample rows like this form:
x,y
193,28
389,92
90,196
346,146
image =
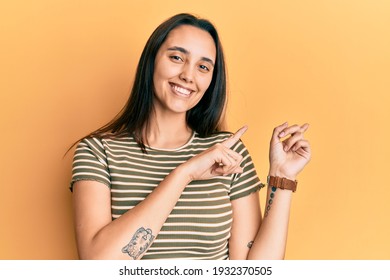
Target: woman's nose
x,y
186,74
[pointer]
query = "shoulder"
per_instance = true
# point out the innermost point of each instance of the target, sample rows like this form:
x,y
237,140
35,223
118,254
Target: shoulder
x,y
106,139
98,145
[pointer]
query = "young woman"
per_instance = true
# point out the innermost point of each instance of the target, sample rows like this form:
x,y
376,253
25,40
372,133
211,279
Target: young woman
x,y
163,181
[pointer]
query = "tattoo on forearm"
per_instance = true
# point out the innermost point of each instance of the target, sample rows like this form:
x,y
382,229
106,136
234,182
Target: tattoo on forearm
x,y
270,200
139,243
249,245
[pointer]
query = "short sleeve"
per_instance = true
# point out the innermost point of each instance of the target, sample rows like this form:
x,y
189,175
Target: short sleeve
x,y
90,162
246,182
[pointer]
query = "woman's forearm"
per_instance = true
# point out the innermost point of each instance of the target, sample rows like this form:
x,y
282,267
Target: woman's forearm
x,y
289,153
270,241
132,234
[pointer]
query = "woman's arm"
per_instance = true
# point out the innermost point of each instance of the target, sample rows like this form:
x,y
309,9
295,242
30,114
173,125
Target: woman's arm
x,y
270,241
132,233
246,223
98,237
255,238
287,159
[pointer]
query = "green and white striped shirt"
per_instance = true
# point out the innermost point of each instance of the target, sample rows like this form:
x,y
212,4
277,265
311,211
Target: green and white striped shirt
x,y
199,225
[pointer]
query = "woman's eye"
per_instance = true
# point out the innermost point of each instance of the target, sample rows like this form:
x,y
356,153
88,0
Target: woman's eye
x,y
204,68
176,57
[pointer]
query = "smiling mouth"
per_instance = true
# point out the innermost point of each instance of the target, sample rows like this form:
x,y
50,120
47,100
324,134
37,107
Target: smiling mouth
x,y
180,90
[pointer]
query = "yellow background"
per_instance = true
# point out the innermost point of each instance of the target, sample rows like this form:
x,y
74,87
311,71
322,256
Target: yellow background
x,y
67,67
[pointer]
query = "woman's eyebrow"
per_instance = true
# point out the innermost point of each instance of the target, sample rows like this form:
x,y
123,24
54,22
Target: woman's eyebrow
x,y
184,51
180,49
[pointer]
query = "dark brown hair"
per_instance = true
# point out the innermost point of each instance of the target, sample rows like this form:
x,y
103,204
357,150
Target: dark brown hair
x,y
205,118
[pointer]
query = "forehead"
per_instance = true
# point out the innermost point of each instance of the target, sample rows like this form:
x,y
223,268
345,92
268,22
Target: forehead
x,y
195,40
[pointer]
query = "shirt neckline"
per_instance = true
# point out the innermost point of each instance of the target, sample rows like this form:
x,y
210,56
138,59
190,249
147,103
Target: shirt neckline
x,y
173,149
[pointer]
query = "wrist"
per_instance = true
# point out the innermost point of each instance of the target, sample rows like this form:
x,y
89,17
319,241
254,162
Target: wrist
x,y
278,173
282,183
183,171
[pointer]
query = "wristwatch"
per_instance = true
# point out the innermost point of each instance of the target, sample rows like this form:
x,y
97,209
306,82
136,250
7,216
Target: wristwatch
x,y
282,183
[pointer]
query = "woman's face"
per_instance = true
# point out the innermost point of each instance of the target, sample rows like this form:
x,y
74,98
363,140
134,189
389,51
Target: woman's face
x,y
183,69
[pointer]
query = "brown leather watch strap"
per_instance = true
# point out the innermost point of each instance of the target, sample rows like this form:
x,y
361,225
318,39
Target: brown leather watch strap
x,y
282,183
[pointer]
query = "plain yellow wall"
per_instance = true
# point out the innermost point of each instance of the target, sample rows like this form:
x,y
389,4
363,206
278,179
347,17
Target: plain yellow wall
x,y
66,68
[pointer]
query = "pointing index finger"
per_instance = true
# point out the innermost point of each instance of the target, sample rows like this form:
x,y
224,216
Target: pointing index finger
x,y
235,137
304,127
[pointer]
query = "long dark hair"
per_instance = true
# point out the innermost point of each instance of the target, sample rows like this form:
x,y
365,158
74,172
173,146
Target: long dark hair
x,y
205,118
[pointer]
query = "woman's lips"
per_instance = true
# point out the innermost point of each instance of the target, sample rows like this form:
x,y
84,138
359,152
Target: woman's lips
x,y
181,90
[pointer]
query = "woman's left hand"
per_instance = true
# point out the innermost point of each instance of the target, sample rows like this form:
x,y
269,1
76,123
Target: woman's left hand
x,y
289,156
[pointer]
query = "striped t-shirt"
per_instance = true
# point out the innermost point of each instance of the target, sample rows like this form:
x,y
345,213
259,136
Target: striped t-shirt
x,y
199,225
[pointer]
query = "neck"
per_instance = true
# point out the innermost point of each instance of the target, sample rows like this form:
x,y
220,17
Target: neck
x,y
168,131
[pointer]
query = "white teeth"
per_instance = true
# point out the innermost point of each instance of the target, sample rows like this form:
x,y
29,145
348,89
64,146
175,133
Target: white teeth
x,y
182,90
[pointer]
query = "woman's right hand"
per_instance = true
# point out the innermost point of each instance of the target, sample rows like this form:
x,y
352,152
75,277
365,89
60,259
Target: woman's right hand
x,y
219,160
